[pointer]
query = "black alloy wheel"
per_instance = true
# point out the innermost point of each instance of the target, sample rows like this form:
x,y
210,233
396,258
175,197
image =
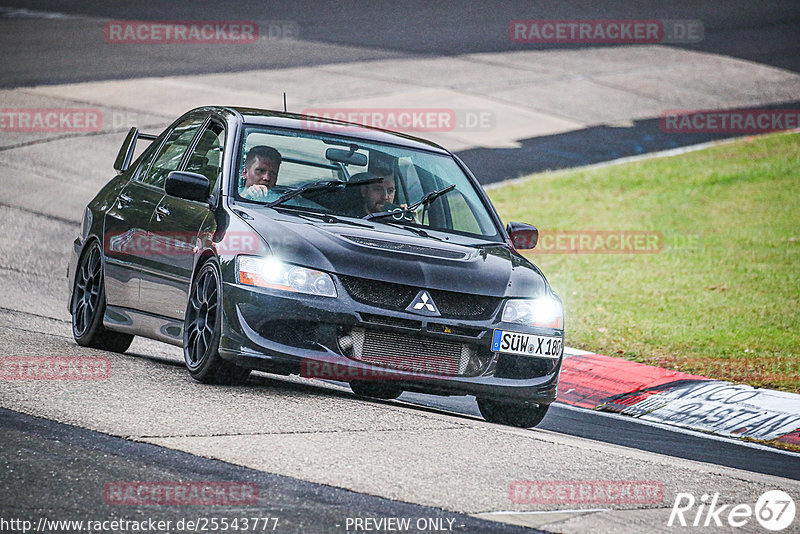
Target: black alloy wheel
x,y
202,330
89,305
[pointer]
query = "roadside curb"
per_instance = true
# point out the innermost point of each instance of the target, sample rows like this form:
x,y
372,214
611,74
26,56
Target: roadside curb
x,y
605,383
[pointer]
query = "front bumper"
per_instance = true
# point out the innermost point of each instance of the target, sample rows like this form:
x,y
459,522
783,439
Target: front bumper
x,y
286,333
72,267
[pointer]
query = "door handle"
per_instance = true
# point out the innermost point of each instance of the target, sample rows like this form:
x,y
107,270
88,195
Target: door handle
x,y
123,200
162,211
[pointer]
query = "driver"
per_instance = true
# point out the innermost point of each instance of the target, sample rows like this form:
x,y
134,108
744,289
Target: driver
x,y
379,196
260,172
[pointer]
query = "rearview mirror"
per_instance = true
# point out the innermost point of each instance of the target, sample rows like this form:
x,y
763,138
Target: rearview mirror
x,y
350,157
523,236
187,185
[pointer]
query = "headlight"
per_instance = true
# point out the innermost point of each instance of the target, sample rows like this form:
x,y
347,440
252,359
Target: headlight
x,y
544,312
274,274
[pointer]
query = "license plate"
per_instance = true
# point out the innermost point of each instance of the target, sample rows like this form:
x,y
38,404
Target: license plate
x,y
528,344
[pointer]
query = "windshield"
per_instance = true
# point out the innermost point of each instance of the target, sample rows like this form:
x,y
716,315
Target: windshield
x,y
353,178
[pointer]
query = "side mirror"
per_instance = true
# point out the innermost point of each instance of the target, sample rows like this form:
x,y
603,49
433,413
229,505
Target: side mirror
x,y
125,153
188,185
523,236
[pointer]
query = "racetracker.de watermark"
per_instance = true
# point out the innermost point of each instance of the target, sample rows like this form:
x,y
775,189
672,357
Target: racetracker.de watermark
x,y
55,368
606,31
168,493
197,31
597,242
729,121
399,119
416,368
586,492
140,243
51,120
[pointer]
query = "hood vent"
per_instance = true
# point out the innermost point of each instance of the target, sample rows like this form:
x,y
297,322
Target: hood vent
x,y
406,248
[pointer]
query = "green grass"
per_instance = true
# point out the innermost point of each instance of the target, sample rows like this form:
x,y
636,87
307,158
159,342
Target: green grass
x,y
722,298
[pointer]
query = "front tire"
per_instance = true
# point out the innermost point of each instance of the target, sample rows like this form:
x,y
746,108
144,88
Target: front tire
x,y
519,415
202,329
89,305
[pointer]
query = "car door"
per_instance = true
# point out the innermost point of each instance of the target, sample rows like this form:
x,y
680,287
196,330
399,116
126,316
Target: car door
x,y
126,233
175,226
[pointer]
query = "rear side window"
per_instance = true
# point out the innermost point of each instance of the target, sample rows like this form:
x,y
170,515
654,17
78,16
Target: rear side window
x,y
206,158
171,152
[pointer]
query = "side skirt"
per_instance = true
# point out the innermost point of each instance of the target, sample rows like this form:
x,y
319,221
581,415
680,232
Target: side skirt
x,y
144,324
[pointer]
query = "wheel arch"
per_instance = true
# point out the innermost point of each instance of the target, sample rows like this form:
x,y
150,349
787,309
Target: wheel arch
x,y
204,256
90,239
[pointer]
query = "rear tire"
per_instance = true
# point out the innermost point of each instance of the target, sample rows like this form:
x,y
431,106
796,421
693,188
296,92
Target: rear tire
x,y
375,389
202,329
519,415
89,305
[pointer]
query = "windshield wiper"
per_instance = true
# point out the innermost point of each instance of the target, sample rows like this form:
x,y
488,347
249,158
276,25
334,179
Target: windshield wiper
x,y
490,244
323,185
325,217
424,201
413,229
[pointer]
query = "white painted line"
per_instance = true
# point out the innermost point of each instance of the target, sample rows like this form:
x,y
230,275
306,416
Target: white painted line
x,y
533,512
22,13
569,351
536,519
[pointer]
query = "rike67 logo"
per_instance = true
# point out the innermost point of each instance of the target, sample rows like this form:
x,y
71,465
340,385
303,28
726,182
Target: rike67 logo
x,y
774,510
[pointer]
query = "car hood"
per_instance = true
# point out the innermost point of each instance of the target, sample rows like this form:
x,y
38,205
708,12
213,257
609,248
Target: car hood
x,y
378,251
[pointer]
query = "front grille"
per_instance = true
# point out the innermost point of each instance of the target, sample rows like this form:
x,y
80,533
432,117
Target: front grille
x,y
411,354
399,296
437,328
380,294
406,247
455,330
391,321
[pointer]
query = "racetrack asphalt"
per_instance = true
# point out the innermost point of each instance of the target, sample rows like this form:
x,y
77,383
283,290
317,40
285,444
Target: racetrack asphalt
x,y
66,469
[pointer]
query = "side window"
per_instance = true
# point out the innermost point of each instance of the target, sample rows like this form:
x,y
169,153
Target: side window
x,y
461,212
206,159
169,156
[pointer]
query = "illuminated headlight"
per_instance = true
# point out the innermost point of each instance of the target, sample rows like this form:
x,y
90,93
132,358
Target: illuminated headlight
x,y
544,312
274,274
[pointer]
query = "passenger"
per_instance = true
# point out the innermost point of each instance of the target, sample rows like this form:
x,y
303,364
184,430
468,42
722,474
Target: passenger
x,y
379,196
260,172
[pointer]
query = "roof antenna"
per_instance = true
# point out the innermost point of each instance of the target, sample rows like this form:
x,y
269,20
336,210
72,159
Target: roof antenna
x,y
284,101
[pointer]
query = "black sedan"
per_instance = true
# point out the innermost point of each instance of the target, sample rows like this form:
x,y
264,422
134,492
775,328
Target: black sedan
x,y
260,240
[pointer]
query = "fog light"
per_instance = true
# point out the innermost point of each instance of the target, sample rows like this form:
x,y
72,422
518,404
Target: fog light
x,y
346,343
